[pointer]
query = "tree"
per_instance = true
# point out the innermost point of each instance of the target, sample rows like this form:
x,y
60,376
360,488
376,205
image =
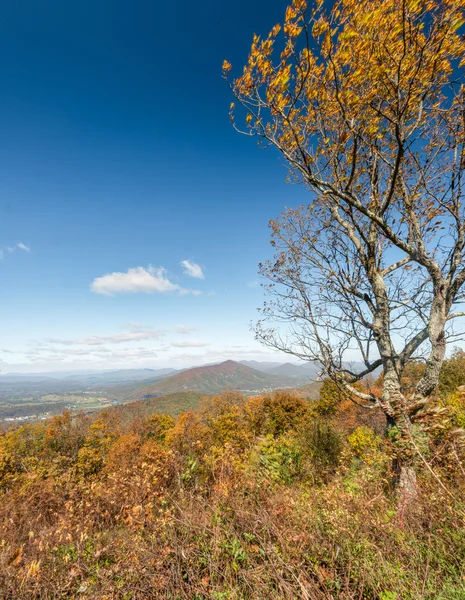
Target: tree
x,y
331,396
364,100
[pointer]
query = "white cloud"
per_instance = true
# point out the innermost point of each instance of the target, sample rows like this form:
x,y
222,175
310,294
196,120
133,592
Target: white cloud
x,y
93,352
192,269
183,292
184,329
138,279
202,357
150,280
132,354
60,341
117,338
22,246
70,352
189,344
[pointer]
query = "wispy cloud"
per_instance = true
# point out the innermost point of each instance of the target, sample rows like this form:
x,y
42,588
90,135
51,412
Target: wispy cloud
x,y
192,269
19,246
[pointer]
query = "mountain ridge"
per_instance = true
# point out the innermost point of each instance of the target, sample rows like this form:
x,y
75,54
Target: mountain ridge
x,y
213,379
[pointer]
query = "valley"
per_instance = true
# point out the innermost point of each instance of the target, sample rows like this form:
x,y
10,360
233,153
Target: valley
x,y
28,398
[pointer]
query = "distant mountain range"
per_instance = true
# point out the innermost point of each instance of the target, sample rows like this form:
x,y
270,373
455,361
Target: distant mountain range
x,y
121,376
134,384
87,377
258,365
211,379
304,373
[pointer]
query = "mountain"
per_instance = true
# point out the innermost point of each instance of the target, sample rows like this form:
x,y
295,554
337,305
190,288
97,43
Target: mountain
x,y
258,365
303,373
213,379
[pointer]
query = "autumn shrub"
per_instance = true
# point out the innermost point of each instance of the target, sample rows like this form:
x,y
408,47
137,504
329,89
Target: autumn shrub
x,y
254,414
224,421
365,444
454,402
452,373
91,456
320,445
155,427
278,459
283,411
65,434
329,399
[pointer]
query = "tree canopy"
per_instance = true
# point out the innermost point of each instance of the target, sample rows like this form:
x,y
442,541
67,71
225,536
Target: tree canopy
x,y
365,102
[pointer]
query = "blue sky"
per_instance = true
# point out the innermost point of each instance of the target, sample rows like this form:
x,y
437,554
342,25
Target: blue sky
x,y
117,157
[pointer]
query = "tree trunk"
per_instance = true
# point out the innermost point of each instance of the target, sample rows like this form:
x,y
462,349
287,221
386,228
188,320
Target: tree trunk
x,y
407,491
404,474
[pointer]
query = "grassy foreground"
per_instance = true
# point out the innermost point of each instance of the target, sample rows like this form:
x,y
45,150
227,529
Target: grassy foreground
x,y
262,498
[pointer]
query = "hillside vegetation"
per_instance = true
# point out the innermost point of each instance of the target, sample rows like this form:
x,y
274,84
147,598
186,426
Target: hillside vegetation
x,y
269,497
170,404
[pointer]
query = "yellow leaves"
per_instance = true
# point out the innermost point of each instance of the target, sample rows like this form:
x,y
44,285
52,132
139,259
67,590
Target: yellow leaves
x,y
294,15
292,30
280,82
361,56
227,66
291,13
319,28
365,444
